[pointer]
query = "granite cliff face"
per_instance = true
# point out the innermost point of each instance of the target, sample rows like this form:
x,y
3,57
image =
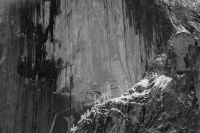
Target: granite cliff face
x,y
59,57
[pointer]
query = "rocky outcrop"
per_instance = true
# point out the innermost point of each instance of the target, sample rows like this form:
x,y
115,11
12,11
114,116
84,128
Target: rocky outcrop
x,y
158,103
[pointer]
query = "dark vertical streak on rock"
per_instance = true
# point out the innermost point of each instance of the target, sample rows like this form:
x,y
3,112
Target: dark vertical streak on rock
x,y
124,33
26,68
24,105
147,17
33,63
54,10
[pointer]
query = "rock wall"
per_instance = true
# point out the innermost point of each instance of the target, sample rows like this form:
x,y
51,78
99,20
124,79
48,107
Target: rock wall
x,y
106,45
92,39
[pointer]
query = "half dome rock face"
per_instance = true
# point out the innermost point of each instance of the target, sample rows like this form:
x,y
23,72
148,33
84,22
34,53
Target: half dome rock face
x,y
128,65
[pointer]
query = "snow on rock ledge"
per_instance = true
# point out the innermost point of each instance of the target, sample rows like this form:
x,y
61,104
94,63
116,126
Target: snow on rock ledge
x,y
166,104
